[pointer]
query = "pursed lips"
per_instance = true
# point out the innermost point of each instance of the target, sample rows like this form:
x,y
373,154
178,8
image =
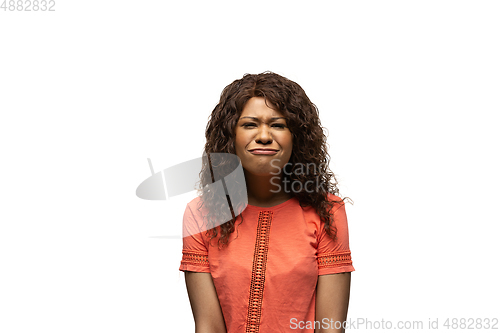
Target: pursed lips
x,y
263,151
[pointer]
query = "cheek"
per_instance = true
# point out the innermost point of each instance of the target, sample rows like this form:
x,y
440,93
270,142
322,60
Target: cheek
x,y
239,143
289,143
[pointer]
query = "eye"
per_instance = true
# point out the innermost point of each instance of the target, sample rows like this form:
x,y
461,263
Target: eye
x,y
279,125
248,125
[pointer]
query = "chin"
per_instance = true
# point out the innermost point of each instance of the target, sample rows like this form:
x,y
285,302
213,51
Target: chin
x,y
262,172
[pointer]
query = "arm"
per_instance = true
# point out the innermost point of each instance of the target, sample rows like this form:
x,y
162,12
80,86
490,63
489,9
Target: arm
x,y
332,300
205,304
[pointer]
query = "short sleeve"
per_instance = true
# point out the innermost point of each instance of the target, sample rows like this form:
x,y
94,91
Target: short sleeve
x,y
334,256
194,249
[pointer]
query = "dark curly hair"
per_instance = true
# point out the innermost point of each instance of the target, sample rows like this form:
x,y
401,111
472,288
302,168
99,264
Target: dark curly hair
x,y
309,148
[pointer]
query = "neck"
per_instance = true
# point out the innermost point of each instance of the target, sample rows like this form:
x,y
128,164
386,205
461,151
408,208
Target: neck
x,y
265,191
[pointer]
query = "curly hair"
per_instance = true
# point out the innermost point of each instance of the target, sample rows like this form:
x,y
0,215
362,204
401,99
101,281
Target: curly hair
x,y
309,148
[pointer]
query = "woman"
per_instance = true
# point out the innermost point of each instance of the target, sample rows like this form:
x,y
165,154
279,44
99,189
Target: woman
x,y
282,263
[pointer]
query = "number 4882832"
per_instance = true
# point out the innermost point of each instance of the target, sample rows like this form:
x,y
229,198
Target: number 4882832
x,y
28,5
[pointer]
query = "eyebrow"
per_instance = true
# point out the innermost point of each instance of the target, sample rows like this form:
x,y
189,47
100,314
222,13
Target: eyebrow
x,y
257,119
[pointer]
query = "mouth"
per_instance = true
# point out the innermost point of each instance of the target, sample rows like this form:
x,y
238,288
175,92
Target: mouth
x,y
263,151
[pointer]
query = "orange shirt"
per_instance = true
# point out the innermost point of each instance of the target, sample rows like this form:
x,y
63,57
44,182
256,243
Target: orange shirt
x,y
266,277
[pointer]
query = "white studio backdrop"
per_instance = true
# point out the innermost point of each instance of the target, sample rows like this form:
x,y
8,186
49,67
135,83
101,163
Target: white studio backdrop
x,y
408,91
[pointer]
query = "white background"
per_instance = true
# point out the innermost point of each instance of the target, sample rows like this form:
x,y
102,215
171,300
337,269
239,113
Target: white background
x,y
409,93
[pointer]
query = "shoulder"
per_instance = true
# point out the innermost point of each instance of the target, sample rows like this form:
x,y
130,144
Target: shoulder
x,y
336,201
337,212
334,254
193,220
196,208
194,202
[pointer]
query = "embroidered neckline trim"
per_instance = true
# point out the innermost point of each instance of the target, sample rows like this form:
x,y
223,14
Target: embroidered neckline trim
x,y
258,272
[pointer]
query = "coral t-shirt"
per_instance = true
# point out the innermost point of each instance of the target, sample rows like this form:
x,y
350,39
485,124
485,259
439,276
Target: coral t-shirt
x,y
266,277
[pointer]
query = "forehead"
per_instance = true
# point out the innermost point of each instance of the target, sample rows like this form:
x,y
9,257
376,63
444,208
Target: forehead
x,y
257,107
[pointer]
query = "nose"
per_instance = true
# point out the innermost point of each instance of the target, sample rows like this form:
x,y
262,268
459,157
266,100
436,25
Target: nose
x,y
264,135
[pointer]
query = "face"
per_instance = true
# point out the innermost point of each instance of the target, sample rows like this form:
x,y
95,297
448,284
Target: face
x,y
263,141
